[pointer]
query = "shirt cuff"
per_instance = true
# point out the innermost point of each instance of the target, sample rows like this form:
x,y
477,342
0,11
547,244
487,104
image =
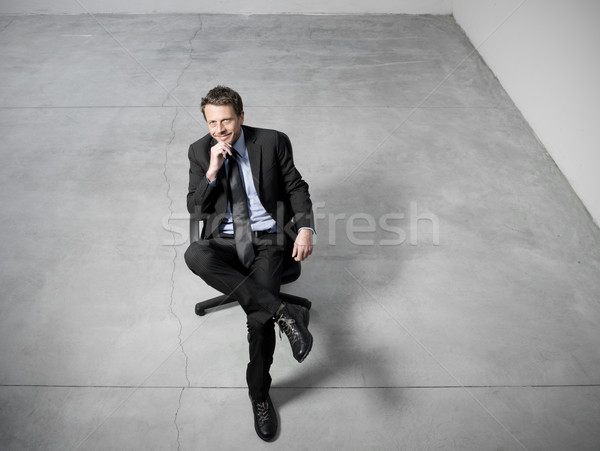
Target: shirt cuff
x,y
213,183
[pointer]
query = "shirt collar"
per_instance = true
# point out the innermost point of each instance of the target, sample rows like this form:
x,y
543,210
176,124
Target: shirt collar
x,y
240,146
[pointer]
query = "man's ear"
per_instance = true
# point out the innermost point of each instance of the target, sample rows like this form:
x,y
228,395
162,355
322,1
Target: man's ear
x,y
242,118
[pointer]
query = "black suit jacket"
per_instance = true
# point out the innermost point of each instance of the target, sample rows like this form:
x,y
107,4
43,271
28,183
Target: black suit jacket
x,y
279,185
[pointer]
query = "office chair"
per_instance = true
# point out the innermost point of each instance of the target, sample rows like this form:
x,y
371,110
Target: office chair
x,y
291,272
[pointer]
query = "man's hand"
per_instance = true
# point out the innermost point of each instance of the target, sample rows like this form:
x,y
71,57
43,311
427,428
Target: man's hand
x,y
218,153
303,245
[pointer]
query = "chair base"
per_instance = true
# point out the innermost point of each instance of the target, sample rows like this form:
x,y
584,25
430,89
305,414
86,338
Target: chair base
x,y
201,307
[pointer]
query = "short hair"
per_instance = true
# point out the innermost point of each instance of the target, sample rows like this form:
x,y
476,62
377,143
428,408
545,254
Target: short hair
x,y
222,95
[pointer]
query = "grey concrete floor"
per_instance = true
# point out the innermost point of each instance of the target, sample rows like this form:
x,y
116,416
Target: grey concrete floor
x,y
455,280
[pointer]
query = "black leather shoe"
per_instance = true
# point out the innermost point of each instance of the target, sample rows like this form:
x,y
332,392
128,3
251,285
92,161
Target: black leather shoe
x,y
293,321
265,419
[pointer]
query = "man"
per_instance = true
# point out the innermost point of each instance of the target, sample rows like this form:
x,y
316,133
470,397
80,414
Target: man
x,y
244,185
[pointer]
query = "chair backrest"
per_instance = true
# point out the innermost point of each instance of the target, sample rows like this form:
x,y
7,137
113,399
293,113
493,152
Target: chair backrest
x,y
194,229
291,268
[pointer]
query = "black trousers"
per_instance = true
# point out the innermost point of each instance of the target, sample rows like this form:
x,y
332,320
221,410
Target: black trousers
x,y
256,289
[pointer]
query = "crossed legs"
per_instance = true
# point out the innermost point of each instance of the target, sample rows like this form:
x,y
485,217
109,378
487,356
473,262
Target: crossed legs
x,y
255,288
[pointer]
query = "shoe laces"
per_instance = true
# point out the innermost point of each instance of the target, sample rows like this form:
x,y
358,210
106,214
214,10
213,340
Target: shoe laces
x,y
285,325
262,411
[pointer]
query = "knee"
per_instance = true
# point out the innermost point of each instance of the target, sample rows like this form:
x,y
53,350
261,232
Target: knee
x,y
190,256
193,258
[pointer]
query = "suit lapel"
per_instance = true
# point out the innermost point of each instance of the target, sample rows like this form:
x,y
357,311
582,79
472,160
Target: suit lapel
x,y
254,155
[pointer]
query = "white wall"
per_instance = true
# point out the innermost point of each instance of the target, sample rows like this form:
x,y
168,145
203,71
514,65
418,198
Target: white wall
x,y
546,55
227,6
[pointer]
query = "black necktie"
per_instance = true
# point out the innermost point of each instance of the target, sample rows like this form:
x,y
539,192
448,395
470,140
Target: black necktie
x,y
239,210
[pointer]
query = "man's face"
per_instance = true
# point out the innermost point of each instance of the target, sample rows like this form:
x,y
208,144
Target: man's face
x,y
223,124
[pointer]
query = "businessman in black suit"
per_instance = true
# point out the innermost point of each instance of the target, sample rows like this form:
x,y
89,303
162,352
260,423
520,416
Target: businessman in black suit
x,y
244,185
